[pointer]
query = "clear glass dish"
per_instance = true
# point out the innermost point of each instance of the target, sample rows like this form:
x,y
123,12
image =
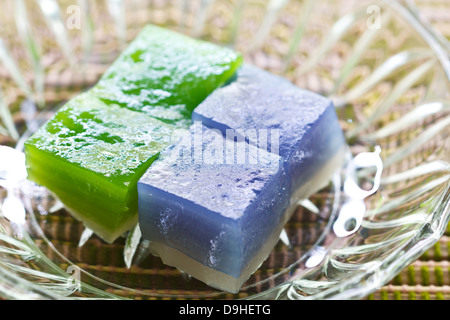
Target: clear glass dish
x,y
386,70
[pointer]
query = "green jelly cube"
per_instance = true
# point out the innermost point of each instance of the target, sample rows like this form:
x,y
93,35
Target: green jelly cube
x,y
166,74
91,155
95,149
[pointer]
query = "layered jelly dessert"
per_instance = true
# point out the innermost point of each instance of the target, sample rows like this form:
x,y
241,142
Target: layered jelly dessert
x,y
218,222
304,126
212,215
166,74
91,154
210,158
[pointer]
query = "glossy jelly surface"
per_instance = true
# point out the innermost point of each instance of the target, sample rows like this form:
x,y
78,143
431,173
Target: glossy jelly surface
x,y
302,126
108,140
219,222
91,155
216,211
166,74
95,149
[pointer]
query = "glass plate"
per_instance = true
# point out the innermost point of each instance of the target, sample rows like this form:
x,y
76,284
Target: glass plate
x,y
386,70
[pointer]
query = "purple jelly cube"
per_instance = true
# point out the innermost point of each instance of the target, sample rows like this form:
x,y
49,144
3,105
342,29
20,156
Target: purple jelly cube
x,y
213,207
303,126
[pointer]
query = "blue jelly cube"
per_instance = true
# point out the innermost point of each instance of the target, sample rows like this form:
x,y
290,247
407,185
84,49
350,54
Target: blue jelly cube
x,y
213,207
303,126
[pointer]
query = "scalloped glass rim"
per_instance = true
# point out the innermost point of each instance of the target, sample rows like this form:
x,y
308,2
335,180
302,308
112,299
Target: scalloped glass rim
x,y
357,286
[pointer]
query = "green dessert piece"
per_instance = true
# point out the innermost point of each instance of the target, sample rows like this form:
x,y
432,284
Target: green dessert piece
x,y
166,74
92,153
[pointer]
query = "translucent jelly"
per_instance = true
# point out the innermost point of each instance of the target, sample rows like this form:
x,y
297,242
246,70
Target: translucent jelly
x,y
93,152
304,126
91,155
213,215
218,221
166,74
